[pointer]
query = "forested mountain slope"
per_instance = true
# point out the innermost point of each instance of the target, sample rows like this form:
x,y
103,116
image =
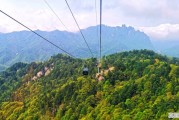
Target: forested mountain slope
x,y
142,85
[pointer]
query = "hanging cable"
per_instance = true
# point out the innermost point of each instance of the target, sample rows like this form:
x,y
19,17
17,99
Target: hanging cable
x,y
36,33
96,25
61,21
79,27
100,55
55,14
79,45
100,27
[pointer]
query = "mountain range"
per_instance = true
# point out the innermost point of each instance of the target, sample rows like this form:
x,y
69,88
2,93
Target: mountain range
x,y
24,46
167,47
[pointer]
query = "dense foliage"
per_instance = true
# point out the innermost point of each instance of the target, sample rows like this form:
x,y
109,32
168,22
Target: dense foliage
x,y
142,85
10,80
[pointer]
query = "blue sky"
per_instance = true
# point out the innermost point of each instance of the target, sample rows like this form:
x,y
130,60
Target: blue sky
x,y
158,18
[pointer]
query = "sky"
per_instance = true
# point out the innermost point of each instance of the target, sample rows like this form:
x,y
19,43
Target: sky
x,y
159,19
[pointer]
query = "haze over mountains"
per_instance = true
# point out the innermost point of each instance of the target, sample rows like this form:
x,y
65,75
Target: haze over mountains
x,y
24,46
167,47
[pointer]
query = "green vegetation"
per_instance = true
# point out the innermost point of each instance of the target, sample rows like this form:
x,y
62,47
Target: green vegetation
x,y
142,85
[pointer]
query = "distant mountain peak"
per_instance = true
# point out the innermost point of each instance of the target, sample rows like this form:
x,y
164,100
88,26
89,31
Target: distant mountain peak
x,y
114,39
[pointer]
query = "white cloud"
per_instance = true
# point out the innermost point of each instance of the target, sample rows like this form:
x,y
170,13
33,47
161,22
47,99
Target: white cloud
x,y
158,18
162,32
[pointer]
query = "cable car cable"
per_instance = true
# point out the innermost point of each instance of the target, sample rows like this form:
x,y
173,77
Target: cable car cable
x,y
37,34
100,32
96,14
79,27
100,27
79,45
55,14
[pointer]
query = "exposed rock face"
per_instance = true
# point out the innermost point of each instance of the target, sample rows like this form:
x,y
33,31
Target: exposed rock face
x,y
40,74
44,72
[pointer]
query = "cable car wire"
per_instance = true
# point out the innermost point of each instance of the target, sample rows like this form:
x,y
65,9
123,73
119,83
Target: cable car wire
x,y
55,14
100,27
79,27
49,6
37,34
100,32
96,14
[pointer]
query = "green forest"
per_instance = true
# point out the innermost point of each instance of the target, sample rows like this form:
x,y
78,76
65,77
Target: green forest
x,y
137,85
